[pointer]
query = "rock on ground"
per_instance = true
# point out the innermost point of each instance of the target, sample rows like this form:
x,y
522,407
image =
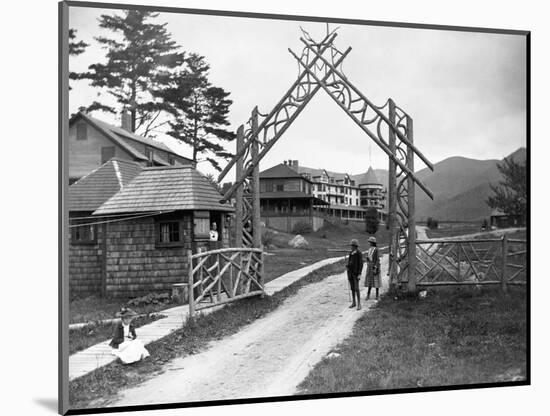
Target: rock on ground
x,y
298,242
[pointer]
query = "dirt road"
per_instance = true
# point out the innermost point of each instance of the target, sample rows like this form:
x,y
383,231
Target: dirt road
x,y
269,357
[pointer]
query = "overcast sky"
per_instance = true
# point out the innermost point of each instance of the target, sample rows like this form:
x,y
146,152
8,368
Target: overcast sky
x,y
465,91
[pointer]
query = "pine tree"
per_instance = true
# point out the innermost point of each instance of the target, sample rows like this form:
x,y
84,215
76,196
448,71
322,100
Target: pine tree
x,y
75,48
510,194
139,56
200,111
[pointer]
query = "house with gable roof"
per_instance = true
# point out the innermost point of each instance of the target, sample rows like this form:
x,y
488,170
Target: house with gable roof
x,y
131,227
87,238
93,142
286,199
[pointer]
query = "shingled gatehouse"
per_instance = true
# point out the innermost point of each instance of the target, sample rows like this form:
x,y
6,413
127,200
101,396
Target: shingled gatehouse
x,y
131,228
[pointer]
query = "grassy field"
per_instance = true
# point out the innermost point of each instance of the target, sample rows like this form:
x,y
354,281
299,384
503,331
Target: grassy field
x,y
102,384
282,258
451,337
453,229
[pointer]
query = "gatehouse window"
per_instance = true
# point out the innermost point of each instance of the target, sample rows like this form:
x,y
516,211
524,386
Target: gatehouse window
x,y
83,234
169,234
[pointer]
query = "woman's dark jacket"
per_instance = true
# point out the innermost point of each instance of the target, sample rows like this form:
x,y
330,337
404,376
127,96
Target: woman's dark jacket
x,y
118,336
355,263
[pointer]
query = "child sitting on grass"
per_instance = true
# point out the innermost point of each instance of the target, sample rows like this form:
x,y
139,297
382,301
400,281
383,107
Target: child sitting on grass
x,y
124,342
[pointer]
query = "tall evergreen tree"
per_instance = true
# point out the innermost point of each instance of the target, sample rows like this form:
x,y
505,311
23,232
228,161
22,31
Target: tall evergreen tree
x,y
139,56
510,194
76,47
200,111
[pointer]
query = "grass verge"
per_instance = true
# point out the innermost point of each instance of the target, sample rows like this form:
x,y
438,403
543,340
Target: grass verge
x,y
99,388
283,259
95,308
451,337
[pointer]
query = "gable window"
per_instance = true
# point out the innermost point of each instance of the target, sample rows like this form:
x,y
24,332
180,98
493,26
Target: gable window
x,y
81,131
169,233
149,155
171,160
107,153
83,234
201,225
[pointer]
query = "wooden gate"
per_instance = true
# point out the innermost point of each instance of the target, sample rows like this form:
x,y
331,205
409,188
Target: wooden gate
x,y
447,262
225,275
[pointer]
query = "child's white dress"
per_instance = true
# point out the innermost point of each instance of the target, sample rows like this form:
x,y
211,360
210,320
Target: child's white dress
x,y
131,350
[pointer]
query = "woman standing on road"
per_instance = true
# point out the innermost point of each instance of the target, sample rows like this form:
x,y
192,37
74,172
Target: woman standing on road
x,y
372,278
355,266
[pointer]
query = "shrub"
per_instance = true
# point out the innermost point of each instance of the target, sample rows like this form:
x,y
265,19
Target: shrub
x,y
432,223
267,238
371,220
150,298
302,227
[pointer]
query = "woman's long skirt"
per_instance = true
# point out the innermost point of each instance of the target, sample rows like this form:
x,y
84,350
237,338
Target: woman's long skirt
x,y
371,279
131,351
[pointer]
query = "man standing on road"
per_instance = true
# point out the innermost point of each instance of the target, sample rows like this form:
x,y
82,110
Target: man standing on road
x,y
354,267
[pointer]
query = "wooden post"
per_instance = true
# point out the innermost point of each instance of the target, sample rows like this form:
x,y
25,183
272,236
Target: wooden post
x,y
104,261
458,260
411,261
262,273
504,277
190,283
392,200
239,193
219,289
254,150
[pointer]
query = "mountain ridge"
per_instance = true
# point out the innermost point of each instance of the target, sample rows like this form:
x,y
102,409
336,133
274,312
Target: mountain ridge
x,y
460,186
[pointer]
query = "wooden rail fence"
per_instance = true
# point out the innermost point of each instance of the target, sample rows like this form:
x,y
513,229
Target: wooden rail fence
x,y
447,262
225,275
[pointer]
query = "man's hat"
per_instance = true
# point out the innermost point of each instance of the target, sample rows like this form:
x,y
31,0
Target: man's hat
x,y
354,243
125,313
372,239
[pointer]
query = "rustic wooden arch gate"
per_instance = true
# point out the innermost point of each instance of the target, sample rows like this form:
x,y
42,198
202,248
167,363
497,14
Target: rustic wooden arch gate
x,y
391,128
